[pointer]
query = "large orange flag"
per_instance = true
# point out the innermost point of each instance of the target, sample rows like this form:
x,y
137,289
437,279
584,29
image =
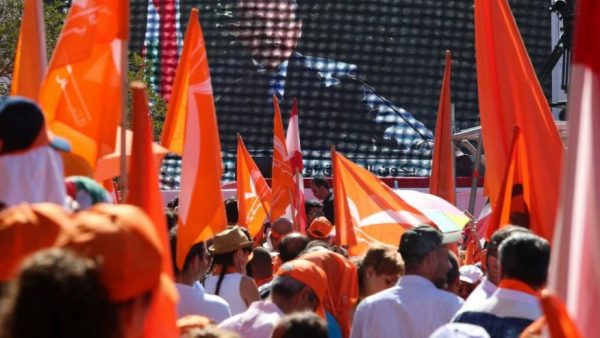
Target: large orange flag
x,y
253,192
144,193
283,179
201,208
30,58
82,94
575,262
510,95
442,181
173,133
514,203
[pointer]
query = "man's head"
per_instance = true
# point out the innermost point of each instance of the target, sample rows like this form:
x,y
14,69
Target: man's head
x,y
319,187
269,29
291,246
195,263
379,269
491,259
470,276
452,278
261,264
525,257
300,285
425,253
300,325
279,229
313,210
231,209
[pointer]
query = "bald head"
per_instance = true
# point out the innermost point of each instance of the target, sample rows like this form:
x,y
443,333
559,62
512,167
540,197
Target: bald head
x,y
291,246
279,229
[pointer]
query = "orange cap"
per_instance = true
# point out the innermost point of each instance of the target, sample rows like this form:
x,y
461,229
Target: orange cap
x,y
25,229
309,274
125,240
320,228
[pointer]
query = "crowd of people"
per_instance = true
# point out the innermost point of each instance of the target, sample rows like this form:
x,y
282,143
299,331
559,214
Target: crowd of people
x,y
94,273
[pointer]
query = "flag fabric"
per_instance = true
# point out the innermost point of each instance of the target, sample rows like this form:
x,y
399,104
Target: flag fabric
x,y
282,185
201,207
82,94
194,48
575,262
144,193
515,200
30,58
510,95
442,182
558,320
292,142
253,192
368,211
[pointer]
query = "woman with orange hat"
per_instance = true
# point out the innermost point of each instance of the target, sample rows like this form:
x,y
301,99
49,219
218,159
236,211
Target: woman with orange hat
x,y
232,251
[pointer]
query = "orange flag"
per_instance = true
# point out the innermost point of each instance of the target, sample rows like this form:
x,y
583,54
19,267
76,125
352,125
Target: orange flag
x,y
367,208
253,192
283,179
82,94
173,133
559,322
510,95
442,181
144,193
30,58
201,208
514,205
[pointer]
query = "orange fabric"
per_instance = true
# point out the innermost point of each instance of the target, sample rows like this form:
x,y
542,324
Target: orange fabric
x,y
283,181
201,207
534,330
320,228
473,252
125,238
516,173
517,285
193,54
26,228
82,94
30,58
442,182
559,322
510,95
342,286
253,192
144,193
109,166
368,207
311,275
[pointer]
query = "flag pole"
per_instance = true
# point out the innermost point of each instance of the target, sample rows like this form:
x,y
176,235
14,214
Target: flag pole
x,y
476,174
124,80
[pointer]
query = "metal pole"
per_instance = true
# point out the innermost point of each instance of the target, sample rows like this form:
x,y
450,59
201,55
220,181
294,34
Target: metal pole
x,y
475,178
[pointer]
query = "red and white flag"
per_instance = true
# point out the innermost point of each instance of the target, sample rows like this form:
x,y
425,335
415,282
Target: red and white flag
x,y
575,263
292,142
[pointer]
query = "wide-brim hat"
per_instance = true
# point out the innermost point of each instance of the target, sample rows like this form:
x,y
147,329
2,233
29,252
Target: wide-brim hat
x,y
229,240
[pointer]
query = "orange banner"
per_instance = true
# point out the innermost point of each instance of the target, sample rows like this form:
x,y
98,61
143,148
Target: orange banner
x,y
201,208
283,180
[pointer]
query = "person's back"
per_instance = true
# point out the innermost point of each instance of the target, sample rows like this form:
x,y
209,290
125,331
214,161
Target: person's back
x,y
229,290
524,260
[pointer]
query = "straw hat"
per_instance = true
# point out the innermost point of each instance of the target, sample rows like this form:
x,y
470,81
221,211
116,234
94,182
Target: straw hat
x,y
229,240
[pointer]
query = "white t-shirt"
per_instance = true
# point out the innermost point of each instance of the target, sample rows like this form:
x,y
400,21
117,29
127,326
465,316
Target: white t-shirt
x,y
256,322
479,295
230,291
414,308
195,301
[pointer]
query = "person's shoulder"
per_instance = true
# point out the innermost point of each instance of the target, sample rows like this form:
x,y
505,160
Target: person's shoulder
x,y
232,323
385,296
215,300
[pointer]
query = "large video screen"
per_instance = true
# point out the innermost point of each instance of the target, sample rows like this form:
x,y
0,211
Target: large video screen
x,y
366,74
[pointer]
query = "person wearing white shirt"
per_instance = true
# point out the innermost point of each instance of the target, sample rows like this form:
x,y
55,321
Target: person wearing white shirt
x,y
489,283
524,260
193,300
415,307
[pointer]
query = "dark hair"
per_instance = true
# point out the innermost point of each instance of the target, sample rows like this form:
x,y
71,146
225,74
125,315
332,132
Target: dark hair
x,y
303,324
287,287
500,235
261,264
417,242
291,246
174,203
312,204
196,250
225,260
231,209
171,217
454,272
320,181
525,257
59,294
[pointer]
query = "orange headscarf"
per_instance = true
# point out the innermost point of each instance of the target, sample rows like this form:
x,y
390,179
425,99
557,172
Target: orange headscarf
x,y
342,284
